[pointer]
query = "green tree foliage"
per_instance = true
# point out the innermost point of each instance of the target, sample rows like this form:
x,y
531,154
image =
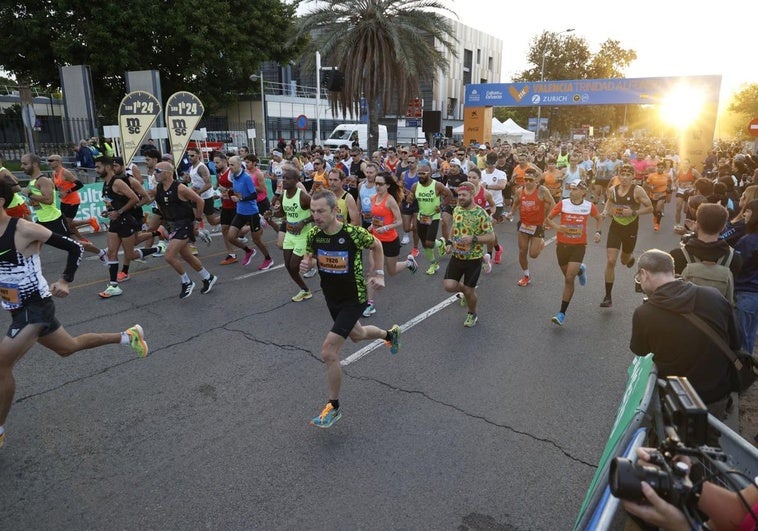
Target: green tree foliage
x,y
567,56
745,101
383,47
208,47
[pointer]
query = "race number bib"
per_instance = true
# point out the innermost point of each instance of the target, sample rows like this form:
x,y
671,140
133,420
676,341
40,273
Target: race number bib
x,y
334,262
528,229
574,231
293,228
461,248
377,221
9,294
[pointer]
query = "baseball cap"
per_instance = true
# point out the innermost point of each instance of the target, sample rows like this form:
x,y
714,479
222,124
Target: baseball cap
x,y
482,146
456,162
277,153
578,184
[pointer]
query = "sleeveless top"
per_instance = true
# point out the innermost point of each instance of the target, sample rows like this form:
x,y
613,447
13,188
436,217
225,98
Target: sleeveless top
x,y
197,181
45,212
343,216
366,194
570,177
409,181
21,278
112,199
294,212
622,201
481,198
428,200
381,215
17,197
61,184
532,208
173,207
552,182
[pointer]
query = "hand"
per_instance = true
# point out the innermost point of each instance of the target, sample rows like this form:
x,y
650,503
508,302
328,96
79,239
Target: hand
x,y
234,198
657,511
59,289
596,239
113,214
305,264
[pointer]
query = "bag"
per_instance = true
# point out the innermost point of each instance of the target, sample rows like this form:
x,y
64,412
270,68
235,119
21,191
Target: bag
x,y
714,274
744,364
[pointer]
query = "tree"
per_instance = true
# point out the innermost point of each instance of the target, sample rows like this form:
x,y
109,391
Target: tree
x,y
745,101
203,47
567,56
383,47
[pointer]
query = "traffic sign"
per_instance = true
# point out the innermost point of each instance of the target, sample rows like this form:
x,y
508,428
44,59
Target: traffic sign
x,y
752,127
301,122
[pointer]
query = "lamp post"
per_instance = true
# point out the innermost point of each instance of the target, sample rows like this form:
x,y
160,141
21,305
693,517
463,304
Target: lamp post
x,y
542,77
256,77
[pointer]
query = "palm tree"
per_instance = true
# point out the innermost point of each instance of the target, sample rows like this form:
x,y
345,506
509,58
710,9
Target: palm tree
x,y
384,48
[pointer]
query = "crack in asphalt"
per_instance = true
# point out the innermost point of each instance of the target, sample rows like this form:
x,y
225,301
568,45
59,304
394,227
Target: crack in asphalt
x,y
474,416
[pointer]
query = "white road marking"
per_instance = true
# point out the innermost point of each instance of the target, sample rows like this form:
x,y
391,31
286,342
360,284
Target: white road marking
x,y
255,273
405,326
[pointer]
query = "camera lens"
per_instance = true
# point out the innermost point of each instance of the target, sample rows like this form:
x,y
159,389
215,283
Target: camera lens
x,y
625,477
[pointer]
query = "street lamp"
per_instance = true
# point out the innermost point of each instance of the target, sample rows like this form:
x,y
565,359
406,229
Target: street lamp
x,y
542,76
256,77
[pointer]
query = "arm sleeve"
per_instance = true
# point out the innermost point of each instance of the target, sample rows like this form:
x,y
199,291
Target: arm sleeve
x,y
75,252
78,185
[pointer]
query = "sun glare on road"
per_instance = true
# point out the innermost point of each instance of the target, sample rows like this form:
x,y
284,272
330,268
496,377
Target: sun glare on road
x,y
682,106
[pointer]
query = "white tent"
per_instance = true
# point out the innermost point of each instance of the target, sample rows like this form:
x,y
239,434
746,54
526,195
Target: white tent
x,y
509,131
513,132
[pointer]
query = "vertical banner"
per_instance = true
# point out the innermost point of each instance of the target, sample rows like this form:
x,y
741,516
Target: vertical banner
x,y
477,125
136,115
183,113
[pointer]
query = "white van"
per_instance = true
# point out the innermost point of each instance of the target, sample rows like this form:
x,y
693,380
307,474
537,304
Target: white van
x,y
349,133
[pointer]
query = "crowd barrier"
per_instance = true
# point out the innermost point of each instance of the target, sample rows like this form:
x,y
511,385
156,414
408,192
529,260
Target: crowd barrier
x,y
639,420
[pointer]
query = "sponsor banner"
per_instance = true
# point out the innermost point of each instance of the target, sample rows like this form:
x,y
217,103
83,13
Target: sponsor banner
x,y
621,91
136,115
183,113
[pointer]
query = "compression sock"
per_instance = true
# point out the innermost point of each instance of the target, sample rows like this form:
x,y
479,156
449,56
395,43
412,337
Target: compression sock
x,y
335,404
125,269
608,289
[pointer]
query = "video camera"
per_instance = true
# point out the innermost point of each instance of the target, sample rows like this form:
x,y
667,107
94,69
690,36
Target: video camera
x,y
685,418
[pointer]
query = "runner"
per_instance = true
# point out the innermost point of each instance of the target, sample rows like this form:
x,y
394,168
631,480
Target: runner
x,y
67,186
471,231
296,204
625,202
28,297
495,181
533,202
685,186
336,249
484,199
575,212
182,208
658,185
429,195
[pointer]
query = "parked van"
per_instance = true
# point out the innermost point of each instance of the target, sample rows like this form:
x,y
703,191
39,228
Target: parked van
x,y
349,133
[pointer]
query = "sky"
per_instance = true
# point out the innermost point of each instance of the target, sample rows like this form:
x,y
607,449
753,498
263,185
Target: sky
x,y
670,38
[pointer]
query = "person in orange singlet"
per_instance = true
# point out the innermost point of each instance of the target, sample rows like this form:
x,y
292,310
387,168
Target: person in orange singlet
x,y
68,185
532,202
658,185
385,220
685,186
553,178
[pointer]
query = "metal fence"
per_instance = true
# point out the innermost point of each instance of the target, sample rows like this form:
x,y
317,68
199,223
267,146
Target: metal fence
x,y
52,134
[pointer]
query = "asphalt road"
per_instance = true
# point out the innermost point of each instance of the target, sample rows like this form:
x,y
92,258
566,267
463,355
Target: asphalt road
x,y
498,427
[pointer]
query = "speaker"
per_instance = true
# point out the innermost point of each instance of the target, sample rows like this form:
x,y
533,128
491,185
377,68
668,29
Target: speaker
x,y
333,80
448,131
432,121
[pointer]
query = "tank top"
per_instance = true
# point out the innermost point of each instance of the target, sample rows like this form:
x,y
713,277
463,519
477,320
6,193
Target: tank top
x,y
21,278
173,207
225,181
61,184
366,194
197,181
572,176
112,199
45,212
552,182
294,212
428,201
381,215
258,179
343,216
532,208
409,181
622,201
17,198
518,175
481,198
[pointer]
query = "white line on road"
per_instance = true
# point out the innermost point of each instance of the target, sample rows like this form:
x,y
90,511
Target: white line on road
x,y
409,324
255,273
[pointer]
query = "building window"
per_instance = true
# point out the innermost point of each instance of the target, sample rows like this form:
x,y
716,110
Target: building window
x,y
468,58
478,56
489,64
452,105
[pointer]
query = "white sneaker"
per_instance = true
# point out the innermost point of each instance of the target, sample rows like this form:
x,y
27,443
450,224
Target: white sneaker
x,y
406,240
310,273
487,265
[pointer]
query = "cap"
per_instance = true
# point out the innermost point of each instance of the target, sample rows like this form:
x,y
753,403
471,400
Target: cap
x,y
277,153
118,160
578,184
456,162
482,146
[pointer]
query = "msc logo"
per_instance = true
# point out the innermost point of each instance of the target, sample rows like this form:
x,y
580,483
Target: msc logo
x,y
536,99
179,125
518,95
133,126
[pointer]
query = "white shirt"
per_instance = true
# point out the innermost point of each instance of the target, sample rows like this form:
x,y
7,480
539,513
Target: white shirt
x,y
488,179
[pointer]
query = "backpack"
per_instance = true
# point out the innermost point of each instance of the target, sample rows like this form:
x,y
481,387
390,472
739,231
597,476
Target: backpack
x,y
714,274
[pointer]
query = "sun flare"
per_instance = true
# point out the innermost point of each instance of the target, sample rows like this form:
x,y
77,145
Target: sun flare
x,y
682,106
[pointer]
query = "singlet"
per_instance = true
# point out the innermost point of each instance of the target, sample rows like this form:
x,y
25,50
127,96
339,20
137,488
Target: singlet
x,y
275,169
562,161
61,184
293,211
575,218
531,208
197,181
366,194
113,200
343,216
553,182
381,215
518,174
258,178
320,177
658,183
622,201
45,212
570,177
409,181
339,258
428,201
172,207
481,198
21,278
453,181
224,180
686,179
17,197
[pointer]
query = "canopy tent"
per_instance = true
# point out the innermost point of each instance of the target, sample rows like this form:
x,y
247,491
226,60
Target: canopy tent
x,y
510,131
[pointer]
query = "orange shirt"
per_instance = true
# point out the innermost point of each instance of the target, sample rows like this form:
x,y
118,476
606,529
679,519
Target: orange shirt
x,y
71,198
518,174
553,182
531,208
658,183
381,215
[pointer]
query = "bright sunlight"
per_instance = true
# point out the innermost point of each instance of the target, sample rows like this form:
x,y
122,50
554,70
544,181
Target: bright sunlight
x,y
682,106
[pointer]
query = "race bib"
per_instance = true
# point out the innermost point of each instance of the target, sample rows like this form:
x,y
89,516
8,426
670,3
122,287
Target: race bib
x,y
574,231
292,228
461,248
9,294
528,229
377,221
618,211
334,262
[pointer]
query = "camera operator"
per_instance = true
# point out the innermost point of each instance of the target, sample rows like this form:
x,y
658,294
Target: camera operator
x,y
679,347
705,245
724,507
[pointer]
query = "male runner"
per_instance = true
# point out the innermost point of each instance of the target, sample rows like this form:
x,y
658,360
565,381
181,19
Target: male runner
x,y
336,249
430,195
67,185
296,204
